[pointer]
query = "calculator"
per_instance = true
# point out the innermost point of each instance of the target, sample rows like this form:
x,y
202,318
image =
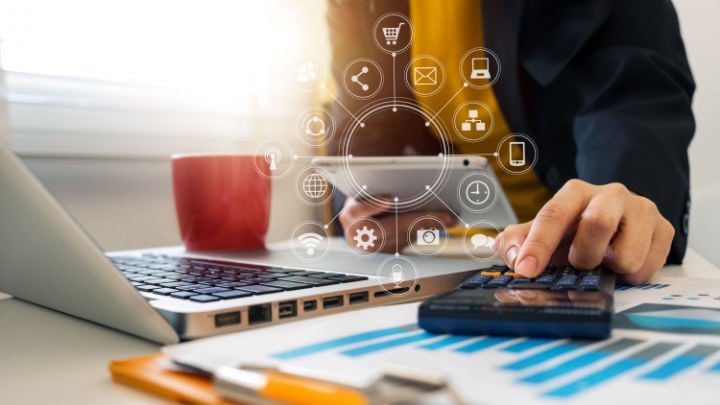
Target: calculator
x,y
562,302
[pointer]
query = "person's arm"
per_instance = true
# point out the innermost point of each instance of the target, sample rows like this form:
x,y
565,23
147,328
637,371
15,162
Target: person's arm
x,y
631,134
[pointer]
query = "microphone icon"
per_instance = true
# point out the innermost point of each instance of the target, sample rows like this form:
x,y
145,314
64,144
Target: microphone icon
x,y
396,274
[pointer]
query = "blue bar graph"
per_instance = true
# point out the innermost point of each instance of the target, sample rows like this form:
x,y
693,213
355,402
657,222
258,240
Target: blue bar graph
x,y
611,371
527,344
680,363
482,344
580,361
387,344
544,356
446,341
343,341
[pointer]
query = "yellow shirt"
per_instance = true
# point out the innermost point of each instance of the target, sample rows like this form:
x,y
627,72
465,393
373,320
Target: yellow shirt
x,y
446,30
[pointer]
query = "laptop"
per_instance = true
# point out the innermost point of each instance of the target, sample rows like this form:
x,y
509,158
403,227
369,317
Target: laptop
x,y
480,68
168,294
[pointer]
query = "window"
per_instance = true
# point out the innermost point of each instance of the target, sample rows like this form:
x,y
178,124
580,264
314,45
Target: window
x,y
151,77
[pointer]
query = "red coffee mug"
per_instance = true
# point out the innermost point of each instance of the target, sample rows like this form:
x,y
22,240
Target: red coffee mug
x,y
222,201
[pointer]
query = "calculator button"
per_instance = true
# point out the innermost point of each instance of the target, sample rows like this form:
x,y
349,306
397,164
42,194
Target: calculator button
x,y
475,282
490,273
590,283
566,282
499,281
547,278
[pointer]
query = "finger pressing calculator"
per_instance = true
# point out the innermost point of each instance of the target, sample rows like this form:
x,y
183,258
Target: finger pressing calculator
x,y
562,302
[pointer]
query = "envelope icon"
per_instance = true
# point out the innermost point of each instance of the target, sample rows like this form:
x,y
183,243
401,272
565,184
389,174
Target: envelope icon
x,y
425,75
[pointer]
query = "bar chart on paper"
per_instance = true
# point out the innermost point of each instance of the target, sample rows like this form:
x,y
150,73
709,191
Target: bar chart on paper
x,y
537,369
662,351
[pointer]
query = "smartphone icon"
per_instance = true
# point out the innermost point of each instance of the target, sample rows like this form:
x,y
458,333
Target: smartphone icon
x,y
517,153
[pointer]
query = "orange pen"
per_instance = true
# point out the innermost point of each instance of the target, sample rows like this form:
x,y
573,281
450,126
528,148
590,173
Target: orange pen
x,y
249,386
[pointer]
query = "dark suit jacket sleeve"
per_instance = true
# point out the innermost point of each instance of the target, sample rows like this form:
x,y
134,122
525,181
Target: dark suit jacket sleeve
x,y
634,123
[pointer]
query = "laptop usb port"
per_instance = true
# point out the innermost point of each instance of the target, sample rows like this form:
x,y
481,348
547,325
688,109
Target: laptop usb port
x,y
358,297
333,302
259,313
309,305
227,319
287,309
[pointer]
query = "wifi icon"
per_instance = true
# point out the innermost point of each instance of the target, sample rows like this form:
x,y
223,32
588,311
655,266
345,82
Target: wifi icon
x,y
310,240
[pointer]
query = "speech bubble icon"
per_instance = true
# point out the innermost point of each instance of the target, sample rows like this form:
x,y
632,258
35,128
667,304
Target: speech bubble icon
x,y
479,240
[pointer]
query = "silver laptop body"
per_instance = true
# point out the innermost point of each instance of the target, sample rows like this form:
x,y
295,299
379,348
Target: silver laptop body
x,y
46,258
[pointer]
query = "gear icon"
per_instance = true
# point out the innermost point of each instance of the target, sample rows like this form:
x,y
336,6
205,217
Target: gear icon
x,y
365,238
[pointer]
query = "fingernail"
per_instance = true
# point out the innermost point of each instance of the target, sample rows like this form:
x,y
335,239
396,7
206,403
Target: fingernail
x,y
527,266
511,255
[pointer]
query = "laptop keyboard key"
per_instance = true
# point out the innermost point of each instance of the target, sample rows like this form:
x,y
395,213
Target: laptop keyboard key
x,y
147,287
287,285
192,287
260,289
211,290
347,278
204,298
312,280
183,294
164,291
232,294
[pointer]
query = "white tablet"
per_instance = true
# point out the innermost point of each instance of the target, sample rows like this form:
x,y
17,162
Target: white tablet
x,y
462,184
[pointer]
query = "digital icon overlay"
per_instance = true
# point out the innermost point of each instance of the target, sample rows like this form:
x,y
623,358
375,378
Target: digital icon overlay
x,y
310,240
480,68
367,236
316,127
313,185
479,242
425,75
426,235
517,153
278,155
477,192
397,275
473,121
362,78
393,33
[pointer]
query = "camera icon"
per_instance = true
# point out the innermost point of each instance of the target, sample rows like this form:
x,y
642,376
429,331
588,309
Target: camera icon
x,y
428,237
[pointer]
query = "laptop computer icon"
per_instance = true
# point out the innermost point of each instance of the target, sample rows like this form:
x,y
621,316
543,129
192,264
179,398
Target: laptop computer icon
x,y
168,294
480,68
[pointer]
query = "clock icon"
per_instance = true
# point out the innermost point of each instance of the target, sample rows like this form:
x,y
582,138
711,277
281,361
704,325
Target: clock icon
x,y
477,192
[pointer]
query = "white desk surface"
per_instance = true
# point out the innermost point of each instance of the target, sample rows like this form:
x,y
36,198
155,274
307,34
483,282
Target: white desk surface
x,y
49,357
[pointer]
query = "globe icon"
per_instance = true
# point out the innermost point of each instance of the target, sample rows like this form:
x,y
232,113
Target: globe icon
x,y
314,185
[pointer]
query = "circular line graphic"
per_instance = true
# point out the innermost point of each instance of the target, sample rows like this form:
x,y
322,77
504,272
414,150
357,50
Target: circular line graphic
x,y
391,32
393,275
347,157
517,153
357,72
480,64
431,76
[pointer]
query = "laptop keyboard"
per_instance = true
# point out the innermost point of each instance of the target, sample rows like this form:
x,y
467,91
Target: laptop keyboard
x,y
202,280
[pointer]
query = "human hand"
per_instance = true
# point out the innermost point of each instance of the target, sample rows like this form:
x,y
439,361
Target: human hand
x,y
587,226
396,238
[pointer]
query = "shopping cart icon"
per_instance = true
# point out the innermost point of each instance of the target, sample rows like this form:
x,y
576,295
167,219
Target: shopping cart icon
x,y
391,34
